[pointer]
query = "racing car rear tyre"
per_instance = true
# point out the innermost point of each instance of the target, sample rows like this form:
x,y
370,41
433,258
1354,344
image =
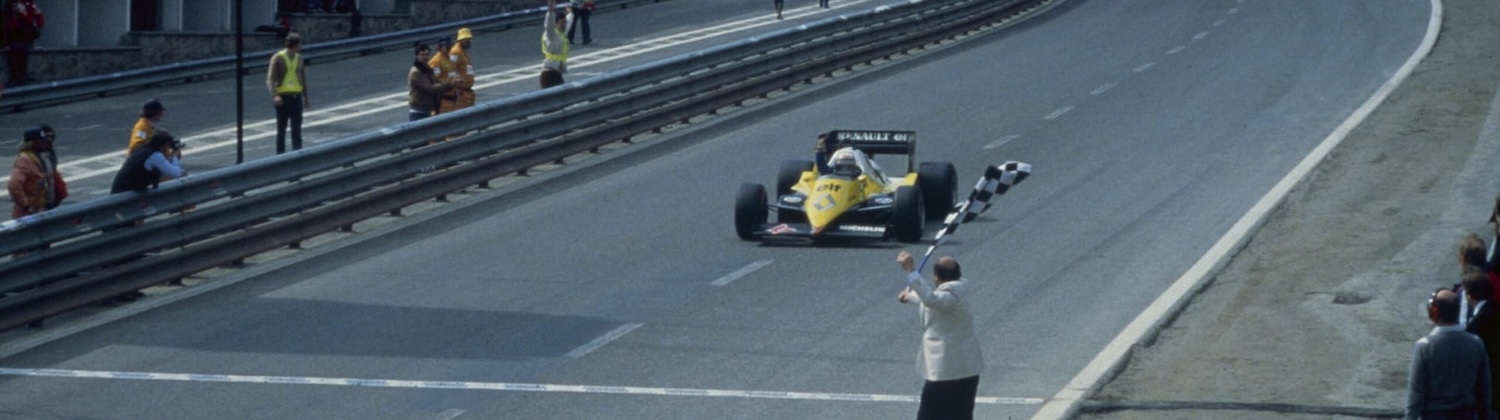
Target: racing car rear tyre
x,y
749,210
939,184
906,217
791,174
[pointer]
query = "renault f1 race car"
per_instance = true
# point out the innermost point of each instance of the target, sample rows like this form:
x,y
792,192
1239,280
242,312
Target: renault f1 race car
x,y
850,196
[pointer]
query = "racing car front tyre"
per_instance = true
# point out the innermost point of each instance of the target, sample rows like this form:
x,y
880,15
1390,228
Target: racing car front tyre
x,y
791,174
749,210
939,183
906,217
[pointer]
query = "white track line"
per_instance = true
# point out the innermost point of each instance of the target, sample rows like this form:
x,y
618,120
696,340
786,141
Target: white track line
x,y
603,339
1065,403
265,129
489,386
724,281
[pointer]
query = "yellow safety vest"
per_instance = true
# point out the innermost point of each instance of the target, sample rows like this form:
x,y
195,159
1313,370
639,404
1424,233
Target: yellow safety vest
x,y
290,84
561,58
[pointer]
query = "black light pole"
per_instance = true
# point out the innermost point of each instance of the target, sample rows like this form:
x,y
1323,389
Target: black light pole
x,y
239,78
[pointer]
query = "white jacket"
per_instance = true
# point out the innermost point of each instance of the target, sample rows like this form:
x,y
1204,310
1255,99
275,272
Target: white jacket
x,y
949,348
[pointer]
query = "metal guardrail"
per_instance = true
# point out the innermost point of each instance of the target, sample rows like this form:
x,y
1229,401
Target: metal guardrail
x,y
39,94
274,202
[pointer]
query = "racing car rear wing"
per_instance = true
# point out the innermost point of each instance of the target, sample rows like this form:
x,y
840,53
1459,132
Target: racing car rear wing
x,y
874,142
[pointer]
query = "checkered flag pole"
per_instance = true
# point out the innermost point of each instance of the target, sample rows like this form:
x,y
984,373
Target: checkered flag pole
x,y
996,181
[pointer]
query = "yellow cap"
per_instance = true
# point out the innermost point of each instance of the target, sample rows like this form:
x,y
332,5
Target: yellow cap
x,y
463,33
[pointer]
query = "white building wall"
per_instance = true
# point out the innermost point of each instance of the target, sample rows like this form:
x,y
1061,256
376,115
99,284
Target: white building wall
x,y
101,23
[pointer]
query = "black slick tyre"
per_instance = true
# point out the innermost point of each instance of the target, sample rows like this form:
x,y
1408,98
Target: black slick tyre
x,y
906,217
939,184
749,210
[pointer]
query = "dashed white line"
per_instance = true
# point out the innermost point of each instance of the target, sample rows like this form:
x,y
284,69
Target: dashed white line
x,y
493,386
1102,88
1234,10
448,414
1002,141
1219,23
1142,67
90,127
1200,35
1059,112
742,272
1176,49
604,339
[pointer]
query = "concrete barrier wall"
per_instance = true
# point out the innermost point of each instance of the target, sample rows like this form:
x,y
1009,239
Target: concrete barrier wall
x,y
431,12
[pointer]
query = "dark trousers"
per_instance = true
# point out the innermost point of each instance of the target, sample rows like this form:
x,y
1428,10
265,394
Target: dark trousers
x,y
290,111
16,61
581,18
949,400
551,78
412,115
823,3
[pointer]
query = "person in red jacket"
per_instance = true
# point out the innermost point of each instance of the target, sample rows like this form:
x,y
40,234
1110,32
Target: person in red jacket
x,y
35,184
20,24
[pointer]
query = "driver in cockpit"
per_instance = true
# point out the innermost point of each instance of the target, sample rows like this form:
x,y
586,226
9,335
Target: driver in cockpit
x,y
842,162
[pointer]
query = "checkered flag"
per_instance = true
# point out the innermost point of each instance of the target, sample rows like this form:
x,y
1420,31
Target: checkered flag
x,y
996,181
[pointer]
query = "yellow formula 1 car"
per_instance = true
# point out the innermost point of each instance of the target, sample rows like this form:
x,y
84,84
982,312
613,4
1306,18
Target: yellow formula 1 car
x,y
849,195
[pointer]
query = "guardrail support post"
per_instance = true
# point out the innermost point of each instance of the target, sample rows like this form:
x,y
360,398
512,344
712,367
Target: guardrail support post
x,y
441,198
396,213
295,245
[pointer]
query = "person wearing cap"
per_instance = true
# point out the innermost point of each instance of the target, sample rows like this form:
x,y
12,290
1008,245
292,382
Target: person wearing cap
x,y
287,81
35,184
464,79
446,72
151,113
554,47
423,88
149,165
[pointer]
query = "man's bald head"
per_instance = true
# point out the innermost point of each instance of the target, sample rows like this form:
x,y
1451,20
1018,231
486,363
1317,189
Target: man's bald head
x,y
1444,307
947,269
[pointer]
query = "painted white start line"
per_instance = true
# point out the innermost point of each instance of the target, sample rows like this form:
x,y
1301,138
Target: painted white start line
x,y
724,281
604,339
488,386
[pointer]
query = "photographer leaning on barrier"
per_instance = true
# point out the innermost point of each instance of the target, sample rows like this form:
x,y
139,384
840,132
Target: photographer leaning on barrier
x,y
150,165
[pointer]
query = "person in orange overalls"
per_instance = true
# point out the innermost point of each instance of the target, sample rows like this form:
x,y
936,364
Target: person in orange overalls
x,y
465,68
442,67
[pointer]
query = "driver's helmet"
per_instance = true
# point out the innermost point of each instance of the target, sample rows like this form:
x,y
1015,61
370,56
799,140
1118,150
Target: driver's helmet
x,y
844,162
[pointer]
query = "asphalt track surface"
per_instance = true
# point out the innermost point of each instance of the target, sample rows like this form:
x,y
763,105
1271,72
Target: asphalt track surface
x,y
1153,126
